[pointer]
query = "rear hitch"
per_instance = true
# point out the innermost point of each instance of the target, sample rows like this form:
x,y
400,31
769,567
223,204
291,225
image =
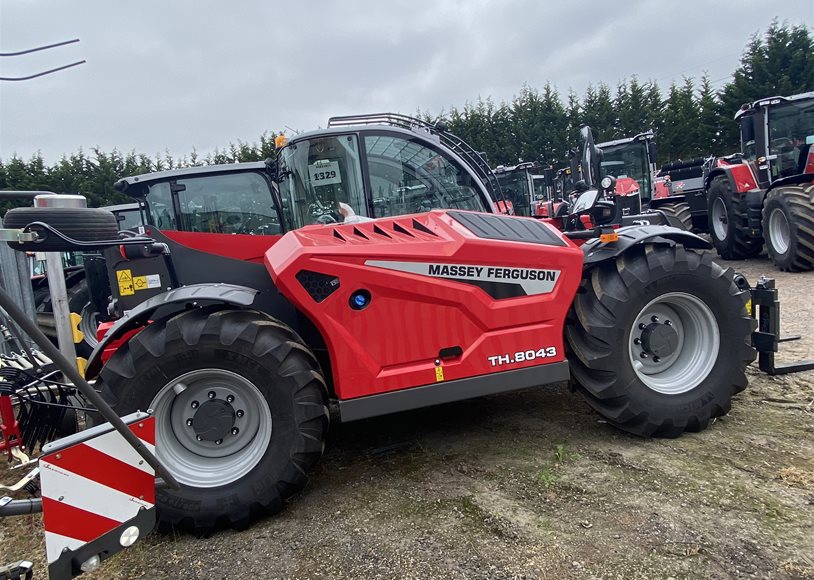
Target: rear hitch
x,y
765,307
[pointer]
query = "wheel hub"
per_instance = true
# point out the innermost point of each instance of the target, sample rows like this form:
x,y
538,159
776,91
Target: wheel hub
x,y
213,426
213,420
674,343
720,221
659,339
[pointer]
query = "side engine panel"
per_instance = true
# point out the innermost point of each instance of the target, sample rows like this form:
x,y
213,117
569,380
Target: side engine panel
x,y
418,300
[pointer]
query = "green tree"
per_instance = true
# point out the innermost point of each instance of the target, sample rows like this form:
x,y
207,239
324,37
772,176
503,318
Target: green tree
x,y
598,112
709,132
781,62
677,136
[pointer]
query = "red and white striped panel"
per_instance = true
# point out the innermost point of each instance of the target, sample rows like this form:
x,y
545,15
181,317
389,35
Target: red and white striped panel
x,y
91,488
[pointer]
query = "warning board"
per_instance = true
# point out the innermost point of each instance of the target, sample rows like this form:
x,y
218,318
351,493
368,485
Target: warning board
x,y
125,279
439,374
147,282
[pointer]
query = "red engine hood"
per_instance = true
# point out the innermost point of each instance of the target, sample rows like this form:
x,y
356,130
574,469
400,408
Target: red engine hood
x,y
486,285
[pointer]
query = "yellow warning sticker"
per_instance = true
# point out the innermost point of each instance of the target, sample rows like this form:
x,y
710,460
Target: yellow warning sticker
x,y
439,374
749,306
125,279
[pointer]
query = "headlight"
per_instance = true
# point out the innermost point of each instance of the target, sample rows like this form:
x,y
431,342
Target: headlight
x,y
606,182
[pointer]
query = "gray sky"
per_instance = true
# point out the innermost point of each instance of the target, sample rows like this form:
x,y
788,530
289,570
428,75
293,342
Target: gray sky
x,y
182,74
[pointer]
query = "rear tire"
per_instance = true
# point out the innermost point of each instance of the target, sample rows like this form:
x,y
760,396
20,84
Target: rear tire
x,y
247,386
80,224
78,303
728,224
788,227
698,344
678,214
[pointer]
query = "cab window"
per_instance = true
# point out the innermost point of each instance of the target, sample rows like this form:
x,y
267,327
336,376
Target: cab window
x,y
235,203
159,207
407,176
322,181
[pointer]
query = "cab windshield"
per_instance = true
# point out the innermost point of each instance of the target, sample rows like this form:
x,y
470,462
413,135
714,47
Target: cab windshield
x,y
791,128
515,187
322,180
628,161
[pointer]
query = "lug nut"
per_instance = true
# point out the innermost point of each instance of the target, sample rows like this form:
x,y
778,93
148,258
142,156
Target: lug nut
x,y
235,430
643,355
668,322
230,398
211,394
219,441
656,359
239,413
654,318
189,422
198,438
637,341
642,326
195,404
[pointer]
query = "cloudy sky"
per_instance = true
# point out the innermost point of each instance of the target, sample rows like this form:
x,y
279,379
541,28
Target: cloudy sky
x,y
170,76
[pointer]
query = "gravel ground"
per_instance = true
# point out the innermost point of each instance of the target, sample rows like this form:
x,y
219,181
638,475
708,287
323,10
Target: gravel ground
x,y
536,485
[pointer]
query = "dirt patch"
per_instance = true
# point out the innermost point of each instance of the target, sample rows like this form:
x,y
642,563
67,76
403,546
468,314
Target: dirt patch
x,y
535,485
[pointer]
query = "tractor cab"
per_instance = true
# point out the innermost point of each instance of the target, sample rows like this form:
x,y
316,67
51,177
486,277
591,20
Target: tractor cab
x,y
777,134
350,170
632,162
526,186
383,165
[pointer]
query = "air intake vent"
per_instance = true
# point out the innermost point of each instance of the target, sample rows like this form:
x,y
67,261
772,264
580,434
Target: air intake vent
x,y
402,230
422,228
381,232
319,286
509,229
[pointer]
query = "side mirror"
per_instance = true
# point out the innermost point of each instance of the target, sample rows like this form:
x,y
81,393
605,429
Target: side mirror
x,y
591,161
585,201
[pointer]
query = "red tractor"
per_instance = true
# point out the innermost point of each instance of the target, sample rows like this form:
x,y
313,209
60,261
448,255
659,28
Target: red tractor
x,y
765,194
248,345
632,162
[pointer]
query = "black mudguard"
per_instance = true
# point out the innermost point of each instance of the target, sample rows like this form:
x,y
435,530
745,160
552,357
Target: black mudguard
x,y
794,180
195,294
597,251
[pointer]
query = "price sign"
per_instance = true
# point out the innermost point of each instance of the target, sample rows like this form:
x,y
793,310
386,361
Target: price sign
x,y
324,173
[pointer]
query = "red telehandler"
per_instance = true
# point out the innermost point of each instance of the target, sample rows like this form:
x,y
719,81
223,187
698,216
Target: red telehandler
x,y
248,345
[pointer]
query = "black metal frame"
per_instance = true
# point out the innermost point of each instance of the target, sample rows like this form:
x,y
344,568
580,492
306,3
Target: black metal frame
x,y
766,339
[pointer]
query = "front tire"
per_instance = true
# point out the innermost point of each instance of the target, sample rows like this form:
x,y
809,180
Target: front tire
x,y
685,314
241,412
788,227
677,214
728,224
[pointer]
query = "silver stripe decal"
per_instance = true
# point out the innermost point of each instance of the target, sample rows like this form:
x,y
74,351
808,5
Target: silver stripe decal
x,y
532,280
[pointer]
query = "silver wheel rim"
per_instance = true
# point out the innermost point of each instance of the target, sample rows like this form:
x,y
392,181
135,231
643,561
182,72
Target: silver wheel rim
x,y
226,452
720,221
87,325
691,325
779,231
